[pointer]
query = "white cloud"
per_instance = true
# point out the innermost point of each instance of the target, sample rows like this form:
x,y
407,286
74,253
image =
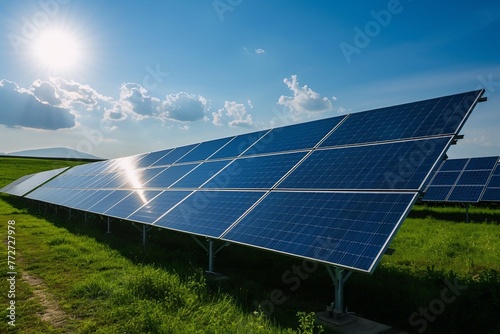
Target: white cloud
x,y
183,107
45,92
21,108
260,51
134,100
239,117
75,95
305,103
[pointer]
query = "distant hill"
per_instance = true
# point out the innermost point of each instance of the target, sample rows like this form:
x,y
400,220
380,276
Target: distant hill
x,y
55,152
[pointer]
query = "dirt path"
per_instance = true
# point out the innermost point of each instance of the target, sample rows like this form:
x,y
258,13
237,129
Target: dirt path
x,y
51,313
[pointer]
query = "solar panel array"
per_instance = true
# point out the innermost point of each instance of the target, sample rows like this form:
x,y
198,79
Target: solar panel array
x,y
27,183
465,180
334,190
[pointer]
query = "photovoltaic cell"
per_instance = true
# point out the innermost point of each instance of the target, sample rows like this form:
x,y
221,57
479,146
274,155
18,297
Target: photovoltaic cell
x,y
238,145
257,173
438,116
204,150
200,174
29,182
467,178
131,203
209,213
466,194
137,179
108,202
348,229
491,195
400,165
169,176
175,155
151,158
158,206
437,193
294,137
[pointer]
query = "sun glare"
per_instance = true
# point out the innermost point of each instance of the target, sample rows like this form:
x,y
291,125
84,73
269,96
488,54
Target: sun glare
x,y
57,50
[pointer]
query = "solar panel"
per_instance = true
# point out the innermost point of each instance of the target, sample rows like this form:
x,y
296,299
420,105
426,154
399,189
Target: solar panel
x,y
437,193
204,150
209,213
492,191
255,173
200,174
294,137
174,155
466,178
348,229
131,203
238,145
27,183
444,115
334,190
158,206
169,176
380,166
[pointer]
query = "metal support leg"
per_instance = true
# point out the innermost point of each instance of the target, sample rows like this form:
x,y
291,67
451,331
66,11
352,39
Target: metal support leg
x,y
339,276
210,256
109,225
69,214
85,215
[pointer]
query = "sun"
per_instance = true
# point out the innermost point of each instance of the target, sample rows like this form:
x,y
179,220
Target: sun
x,y
57,50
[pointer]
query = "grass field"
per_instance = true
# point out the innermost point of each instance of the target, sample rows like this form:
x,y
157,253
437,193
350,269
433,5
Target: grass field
x,y
75,278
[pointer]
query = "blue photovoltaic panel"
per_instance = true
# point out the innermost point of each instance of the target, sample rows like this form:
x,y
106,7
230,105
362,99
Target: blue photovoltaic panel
x,y
295,137
110,200
258,172
170,175
27,183
158,206
437,193
131,203
175,155
347,229
94,197
151,158
492,191
381,166
485,163
468,178
137,179
453,165
445,178
444,115
238,145
474,177
204,150
209,213
466,193
491,195
200,174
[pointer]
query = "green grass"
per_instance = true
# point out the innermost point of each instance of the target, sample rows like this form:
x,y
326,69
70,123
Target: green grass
x,y
109,283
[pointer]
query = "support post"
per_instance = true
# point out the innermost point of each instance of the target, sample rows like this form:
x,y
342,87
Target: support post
x,y
339,276
144,233
210,256
109,225
69,214
85,215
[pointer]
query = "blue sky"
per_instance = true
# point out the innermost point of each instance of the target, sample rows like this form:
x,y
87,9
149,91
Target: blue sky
x,y
119,78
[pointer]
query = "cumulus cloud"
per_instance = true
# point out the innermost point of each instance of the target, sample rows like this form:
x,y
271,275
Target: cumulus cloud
x,y
135,100
236,112
45,92
305,103
22,108
183,107
260,51
76,95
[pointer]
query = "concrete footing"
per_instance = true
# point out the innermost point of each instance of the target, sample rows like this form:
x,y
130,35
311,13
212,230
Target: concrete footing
x,y
351,324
